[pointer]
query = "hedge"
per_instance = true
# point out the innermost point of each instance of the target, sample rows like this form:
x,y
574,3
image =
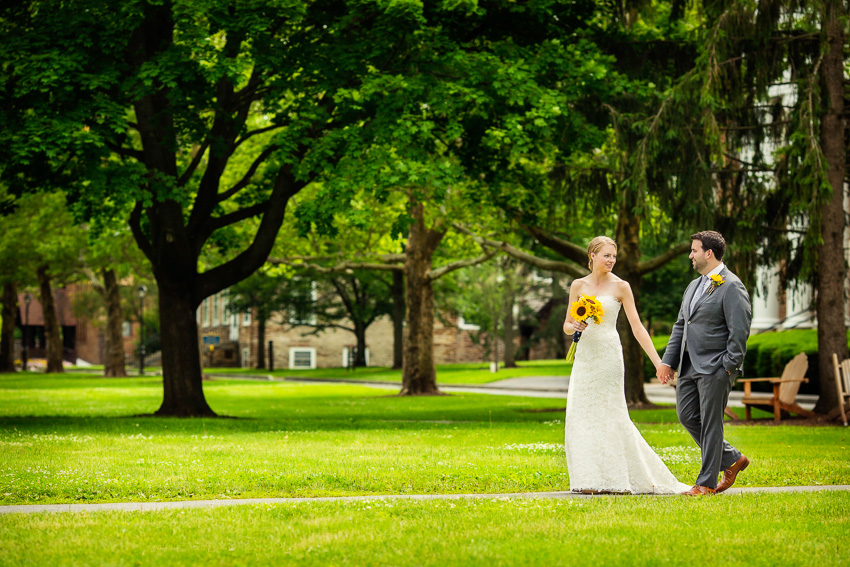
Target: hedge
x,y
767,355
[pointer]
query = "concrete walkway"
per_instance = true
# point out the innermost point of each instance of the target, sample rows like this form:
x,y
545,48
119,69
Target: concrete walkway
x,y
187,504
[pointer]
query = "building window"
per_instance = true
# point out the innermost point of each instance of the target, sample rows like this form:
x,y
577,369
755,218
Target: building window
x,y
246,318
246,357
346,356
302,357
126,329
303,295
215,309
205,306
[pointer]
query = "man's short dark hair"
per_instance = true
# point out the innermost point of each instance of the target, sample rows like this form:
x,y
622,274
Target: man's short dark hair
x,y
713,241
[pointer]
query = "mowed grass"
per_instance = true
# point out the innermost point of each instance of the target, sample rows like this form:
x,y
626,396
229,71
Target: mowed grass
x,y
466,373
750,529
66,439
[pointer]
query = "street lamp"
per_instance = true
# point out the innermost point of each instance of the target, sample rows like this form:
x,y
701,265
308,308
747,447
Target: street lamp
x,y
142,290
27,299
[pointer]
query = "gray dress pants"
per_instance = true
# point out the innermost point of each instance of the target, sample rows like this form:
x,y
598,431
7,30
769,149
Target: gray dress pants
x,y
700,402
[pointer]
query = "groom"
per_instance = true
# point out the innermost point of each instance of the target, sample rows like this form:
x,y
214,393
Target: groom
x,y
707,347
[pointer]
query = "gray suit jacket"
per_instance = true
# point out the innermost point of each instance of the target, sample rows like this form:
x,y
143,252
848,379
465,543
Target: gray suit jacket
x,y
715,332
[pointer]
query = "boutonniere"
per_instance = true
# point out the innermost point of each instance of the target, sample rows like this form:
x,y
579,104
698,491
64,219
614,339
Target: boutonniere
x,y
716,281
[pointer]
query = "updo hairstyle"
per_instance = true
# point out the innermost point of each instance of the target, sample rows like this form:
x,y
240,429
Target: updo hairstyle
x,y
596,245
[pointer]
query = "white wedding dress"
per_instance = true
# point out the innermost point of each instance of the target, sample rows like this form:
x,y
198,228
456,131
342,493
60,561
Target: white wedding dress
x,y
605,451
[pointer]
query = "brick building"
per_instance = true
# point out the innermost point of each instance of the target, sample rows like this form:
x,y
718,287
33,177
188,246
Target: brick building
x,y
82,339
230,339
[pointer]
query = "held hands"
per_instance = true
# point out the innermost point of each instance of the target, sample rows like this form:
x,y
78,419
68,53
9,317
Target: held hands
x,y
579,326
664,373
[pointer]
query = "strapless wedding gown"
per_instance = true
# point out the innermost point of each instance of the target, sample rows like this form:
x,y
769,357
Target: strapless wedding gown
x,y
605,451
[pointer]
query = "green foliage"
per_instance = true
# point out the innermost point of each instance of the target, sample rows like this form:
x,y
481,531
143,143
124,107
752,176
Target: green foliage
x,y
661,294
40,232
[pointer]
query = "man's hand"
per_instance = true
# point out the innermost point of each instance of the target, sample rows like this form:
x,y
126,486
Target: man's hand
x,y
664,373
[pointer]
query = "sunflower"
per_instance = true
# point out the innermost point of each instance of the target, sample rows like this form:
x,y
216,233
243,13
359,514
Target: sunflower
x,y
579,311
593,306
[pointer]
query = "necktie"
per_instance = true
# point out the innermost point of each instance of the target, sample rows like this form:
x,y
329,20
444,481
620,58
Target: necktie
x,y
700,290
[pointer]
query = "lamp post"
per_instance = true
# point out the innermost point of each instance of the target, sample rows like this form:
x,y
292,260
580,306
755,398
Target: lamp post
x,y
142,290
24,360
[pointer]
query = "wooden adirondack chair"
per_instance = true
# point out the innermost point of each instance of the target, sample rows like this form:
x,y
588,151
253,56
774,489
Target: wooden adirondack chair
x,y
785,390
842,384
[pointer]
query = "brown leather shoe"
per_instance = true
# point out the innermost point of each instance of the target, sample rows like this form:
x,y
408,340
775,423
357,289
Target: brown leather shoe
x,y
698,490
730,474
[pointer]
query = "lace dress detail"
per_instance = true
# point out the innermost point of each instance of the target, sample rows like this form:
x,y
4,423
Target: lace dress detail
x,y
605,451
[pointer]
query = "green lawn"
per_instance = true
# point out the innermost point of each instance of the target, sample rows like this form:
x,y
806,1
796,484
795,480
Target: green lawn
x,y
466,373
79,438
758,529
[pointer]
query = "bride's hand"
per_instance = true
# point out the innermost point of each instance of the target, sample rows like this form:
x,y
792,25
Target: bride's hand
x,y
579,326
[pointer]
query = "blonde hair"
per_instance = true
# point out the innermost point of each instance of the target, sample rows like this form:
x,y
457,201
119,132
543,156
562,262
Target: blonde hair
x,y
596,245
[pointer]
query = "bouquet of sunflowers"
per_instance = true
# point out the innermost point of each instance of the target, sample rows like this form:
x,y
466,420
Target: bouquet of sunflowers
x,y
587,307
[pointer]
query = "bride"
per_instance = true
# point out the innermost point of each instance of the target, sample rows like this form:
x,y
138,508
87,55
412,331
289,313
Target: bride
x,y
605,451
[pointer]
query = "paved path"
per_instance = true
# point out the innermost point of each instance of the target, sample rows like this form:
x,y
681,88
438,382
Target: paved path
x,y
525,386
186,504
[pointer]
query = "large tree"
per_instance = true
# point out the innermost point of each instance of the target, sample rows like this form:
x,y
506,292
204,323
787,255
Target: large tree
x,y
762,116
218,112
418,263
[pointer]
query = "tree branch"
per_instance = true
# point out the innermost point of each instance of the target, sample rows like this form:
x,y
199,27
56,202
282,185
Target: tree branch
x,y
565,248
193,165
660,260
339,268
246,179
440,272
136,228
513,251
215,223
253,133
289,260
126,152
257,253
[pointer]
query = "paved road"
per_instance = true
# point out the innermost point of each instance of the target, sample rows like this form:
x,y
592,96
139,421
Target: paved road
x,y
186,504
526,386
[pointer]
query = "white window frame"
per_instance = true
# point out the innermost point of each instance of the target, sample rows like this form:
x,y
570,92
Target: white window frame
x,y
293,350
246,318
464,326
215,310
205,306
346,352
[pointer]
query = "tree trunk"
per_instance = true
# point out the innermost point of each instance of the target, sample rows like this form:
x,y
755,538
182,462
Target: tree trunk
x,y
509,332
831,308
419,375
398,319
628,268
113,365
559,294
7,334
261,342
52,333
181,354
360,334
